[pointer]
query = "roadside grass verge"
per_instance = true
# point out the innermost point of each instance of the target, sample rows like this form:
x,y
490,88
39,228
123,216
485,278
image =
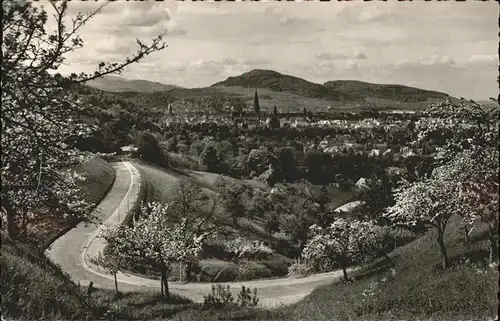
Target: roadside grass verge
x,y
100,177
32,287
410,285
139,305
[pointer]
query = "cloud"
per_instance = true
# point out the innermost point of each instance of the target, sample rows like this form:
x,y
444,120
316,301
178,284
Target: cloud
x,y
476,60
280,15
482,60
370,12
227,66
433,61
340,56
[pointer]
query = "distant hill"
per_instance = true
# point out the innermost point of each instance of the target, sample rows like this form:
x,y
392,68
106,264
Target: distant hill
x,y
120,84
392,92
288,93
260,78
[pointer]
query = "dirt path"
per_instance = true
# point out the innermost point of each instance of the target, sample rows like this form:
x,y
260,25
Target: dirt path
x,y
73,250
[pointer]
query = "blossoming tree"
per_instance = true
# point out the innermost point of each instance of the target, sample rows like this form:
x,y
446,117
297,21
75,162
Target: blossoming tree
x,y
343,242
469,158
430,203
40,110
155,240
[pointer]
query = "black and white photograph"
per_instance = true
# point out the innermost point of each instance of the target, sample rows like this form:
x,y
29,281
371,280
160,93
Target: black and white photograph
x,y
250,160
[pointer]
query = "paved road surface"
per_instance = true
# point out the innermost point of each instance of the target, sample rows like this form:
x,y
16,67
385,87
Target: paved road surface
x,y
73,250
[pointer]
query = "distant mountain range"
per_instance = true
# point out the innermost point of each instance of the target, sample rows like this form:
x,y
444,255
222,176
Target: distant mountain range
x,y
120,84
274,88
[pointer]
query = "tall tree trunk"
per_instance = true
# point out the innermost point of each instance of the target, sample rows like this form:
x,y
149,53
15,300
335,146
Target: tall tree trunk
x,y
188,270
442,248
493,246
116,284
164,282
24,226
12,230
344,270
466,229
161,286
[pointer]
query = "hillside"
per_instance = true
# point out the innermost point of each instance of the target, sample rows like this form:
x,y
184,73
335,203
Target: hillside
x,y
99,179
120,84
287,92
408,285
392,92
276,81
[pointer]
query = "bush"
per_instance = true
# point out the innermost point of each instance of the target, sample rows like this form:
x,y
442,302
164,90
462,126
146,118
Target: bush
x,y
298,269
241,248
248,270
226,275
221,297
247,297
150,150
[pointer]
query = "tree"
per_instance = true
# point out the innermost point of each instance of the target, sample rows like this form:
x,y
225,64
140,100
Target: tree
x,y
40,112
296,213
274,121
342,243
149,150
258,160
256,105
111,263
430,202
470,159
377,196
209,160
287,164
155,240
263,208
231,196
324,216
200,212
476,172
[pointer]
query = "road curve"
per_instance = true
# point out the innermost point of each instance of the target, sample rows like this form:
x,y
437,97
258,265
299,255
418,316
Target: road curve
x,y
73,250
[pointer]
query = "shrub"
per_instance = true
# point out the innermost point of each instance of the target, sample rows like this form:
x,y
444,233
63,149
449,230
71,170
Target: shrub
x,y
248,270
241,248
226,274
221,296
247,297
298,269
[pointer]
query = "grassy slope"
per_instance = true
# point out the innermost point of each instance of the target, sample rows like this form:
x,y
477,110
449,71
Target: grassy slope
x,y
100,178
159,187
32,286
418,288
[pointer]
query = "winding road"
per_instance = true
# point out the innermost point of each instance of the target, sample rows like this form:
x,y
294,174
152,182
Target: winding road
x,y
73,251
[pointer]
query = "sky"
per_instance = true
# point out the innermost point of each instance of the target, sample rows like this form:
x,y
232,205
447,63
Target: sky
x,y
446,46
